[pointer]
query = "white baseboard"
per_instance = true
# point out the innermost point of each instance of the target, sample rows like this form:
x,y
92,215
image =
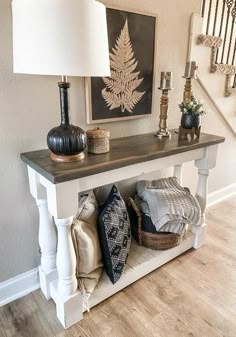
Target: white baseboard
x,y
19,286
222,194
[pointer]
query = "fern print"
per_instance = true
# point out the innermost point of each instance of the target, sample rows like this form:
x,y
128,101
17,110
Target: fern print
x,y
120,91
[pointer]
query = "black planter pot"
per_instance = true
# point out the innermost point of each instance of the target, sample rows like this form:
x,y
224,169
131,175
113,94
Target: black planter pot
x,y
189,121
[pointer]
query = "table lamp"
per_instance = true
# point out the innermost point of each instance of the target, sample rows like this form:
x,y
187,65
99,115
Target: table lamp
x,y
62,38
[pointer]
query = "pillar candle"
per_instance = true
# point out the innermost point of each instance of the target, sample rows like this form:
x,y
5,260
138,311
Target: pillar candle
x,y
166,80
191,69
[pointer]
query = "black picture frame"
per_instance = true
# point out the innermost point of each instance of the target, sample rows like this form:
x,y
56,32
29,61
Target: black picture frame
x,y
128,93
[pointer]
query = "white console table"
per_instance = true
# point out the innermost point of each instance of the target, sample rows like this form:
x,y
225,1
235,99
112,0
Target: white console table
x,y
55,187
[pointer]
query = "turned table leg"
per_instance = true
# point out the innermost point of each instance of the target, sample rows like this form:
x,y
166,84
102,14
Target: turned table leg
x,y
47,237
66,259
201,195
204,166
47,234
63,205
48,246
69,304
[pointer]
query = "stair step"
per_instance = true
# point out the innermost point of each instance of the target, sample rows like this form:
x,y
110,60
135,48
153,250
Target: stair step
x,y
229,89
224,69
231,92
209,41
215,42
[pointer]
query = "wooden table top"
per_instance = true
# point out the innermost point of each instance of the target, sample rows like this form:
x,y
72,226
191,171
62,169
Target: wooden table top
x,y
124,152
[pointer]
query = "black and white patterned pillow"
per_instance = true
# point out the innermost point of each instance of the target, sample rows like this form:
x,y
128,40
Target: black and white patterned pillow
x,y
115,234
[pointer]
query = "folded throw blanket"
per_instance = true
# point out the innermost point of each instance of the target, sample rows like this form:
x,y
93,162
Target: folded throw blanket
x,y
174,226
170,206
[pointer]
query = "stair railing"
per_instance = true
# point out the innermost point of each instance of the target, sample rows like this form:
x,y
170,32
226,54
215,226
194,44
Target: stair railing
x,y
220,21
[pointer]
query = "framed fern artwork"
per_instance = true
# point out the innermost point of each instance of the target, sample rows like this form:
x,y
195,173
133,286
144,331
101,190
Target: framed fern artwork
x,y
128,93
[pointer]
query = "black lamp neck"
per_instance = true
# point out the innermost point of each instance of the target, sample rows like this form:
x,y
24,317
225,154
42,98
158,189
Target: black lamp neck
x,y
65,105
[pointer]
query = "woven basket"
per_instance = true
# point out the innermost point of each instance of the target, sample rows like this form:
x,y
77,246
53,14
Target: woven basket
x,y
98,141
156,241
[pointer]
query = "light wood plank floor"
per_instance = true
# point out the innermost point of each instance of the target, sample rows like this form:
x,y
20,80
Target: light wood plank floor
x,y
192,296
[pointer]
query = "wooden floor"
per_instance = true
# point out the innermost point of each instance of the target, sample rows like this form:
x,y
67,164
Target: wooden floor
x,y
192,296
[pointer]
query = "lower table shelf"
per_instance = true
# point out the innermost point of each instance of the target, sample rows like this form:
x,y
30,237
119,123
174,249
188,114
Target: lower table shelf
x,y
141,262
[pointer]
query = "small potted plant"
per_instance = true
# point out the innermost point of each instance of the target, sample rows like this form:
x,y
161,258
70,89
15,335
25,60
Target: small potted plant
x,y
191,113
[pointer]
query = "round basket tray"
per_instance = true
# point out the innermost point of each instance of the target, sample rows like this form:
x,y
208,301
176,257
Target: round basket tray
x,y
157,240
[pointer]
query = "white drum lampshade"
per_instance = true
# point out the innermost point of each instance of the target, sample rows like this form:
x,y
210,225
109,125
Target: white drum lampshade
x,y
60,37
65,38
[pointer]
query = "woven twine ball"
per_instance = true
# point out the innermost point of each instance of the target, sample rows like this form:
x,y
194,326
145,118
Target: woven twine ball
x,y
98,141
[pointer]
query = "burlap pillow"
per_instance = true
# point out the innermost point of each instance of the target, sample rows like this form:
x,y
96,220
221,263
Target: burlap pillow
x,y
87,246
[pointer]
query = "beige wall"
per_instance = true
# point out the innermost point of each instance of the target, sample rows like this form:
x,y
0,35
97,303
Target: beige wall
x,y
29,107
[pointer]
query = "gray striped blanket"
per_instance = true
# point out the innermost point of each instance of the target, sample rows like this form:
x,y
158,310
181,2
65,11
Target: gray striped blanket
x,y
170,206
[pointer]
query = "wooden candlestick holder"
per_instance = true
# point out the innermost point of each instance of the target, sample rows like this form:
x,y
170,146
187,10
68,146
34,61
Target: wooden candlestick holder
x,y
163,131
187,89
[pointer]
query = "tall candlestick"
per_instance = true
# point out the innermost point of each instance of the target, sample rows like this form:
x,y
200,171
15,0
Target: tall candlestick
x,y
166,80
188,90
163,131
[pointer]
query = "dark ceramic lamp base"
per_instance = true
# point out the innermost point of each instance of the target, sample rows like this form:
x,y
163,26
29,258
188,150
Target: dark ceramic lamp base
x,y
66,142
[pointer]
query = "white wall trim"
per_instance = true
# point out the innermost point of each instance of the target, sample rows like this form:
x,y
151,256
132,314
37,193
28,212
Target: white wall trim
x,y
24,284
19,286
222,194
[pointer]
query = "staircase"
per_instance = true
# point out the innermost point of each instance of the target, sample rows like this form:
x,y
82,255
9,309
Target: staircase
x,y
219,68
220,19
216,29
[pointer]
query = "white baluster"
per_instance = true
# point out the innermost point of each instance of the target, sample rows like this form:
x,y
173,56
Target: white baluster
x,y
66,258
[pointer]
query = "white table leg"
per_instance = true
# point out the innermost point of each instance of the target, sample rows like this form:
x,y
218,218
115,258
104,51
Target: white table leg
x,y
48,244
63,203
178,172
47,234
47,237
204,165
201,195
66,259
64,290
